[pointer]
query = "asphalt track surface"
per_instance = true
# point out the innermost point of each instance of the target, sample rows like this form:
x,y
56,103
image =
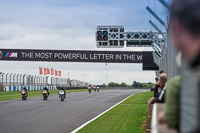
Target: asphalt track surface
x,y
54,116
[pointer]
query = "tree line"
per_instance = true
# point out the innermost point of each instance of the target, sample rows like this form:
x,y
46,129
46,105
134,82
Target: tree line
x,y
135,84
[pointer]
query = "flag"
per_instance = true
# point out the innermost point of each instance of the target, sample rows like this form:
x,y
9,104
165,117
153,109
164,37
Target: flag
x,y
40,70
56,73
59,73
52,71
45,71
48,72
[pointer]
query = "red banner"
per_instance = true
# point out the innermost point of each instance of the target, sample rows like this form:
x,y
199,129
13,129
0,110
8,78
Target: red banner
x,y
56,73
48,72
45,71
59,73
52,71
40,71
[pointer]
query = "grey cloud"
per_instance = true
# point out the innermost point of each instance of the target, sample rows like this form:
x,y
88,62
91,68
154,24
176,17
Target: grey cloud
x,y
39,26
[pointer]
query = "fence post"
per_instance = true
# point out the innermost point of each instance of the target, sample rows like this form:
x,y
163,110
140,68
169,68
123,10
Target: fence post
x,y
23,79
6,78
10,78
20,80
17,79
14,79
47,80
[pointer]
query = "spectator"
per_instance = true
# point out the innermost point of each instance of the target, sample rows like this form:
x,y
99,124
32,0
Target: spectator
x,y
155,86
162,71
171,114
156,80
185,30
161,82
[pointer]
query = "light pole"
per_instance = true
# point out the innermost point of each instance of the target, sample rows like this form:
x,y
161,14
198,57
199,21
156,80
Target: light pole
x,y
10,78
34,78
17,78
56,81
6,78
38,80
42,79
31,80
51,81
27,79
24,79
2,80
47,80
20,80
14,79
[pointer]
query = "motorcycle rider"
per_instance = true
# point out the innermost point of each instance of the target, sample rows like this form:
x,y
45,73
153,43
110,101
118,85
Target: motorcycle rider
x,y
89,88
64,91
25,90
45,88
24,93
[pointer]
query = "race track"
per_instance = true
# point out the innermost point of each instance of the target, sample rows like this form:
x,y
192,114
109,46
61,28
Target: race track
x,y
54,116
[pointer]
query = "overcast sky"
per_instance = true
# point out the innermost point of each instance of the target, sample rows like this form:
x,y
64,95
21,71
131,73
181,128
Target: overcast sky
x,y
71,25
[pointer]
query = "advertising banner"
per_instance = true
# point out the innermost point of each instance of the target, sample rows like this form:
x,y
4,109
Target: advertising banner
x,y
71,56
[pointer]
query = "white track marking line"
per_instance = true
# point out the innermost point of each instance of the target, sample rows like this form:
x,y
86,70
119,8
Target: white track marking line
x,y
77,129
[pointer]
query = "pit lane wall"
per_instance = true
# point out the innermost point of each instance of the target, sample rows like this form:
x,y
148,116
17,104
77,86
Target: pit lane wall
x,y
29,88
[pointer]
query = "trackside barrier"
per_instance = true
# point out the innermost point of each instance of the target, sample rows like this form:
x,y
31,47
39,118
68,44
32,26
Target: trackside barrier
x,y
155,126
29,88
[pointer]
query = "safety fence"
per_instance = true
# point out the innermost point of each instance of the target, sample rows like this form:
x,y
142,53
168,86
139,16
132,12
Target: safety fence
x,y
14,82
189,92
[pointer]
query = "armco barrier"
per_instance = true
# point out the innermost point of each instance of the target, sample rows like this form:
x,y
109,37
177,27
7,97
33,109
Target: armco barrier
x,y
29,88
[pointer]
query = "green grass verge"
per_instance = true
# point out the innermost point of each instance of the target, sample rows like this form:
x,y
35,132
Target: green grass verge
x,y
127,117
17,94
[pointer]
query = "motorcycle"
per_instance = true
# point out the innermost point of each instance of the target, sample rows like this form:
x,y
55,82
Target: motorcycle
x,y
24,94
61,95
97,89
89,89
45,94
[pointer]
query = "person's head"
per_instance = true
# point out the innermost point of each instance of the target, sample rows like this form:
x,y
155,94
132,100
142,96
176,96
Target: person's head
x,y
161,71
156,79
185,27
162,79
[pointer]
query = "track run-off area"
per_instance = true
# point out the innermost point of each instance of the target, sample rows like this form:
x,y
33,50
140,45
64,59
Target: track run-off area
x,y
36,115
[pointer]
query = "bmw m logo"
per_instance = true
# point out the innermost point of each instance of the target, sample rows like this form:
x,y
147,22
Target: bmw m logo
x,y
11,54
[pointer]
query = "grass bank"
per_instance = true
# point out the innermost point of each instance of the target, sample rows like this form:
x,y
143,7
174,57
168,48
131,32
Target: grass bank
x,y
17,94
127,117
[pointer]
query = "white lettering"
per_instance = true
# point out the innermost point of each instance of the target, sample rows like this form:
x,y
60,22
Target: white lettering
x,y
139,57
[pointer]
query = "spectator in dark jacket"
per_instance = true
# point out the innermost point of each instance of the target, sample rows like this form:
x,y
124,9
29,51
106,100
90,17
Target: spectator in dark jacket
x,y
159,97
